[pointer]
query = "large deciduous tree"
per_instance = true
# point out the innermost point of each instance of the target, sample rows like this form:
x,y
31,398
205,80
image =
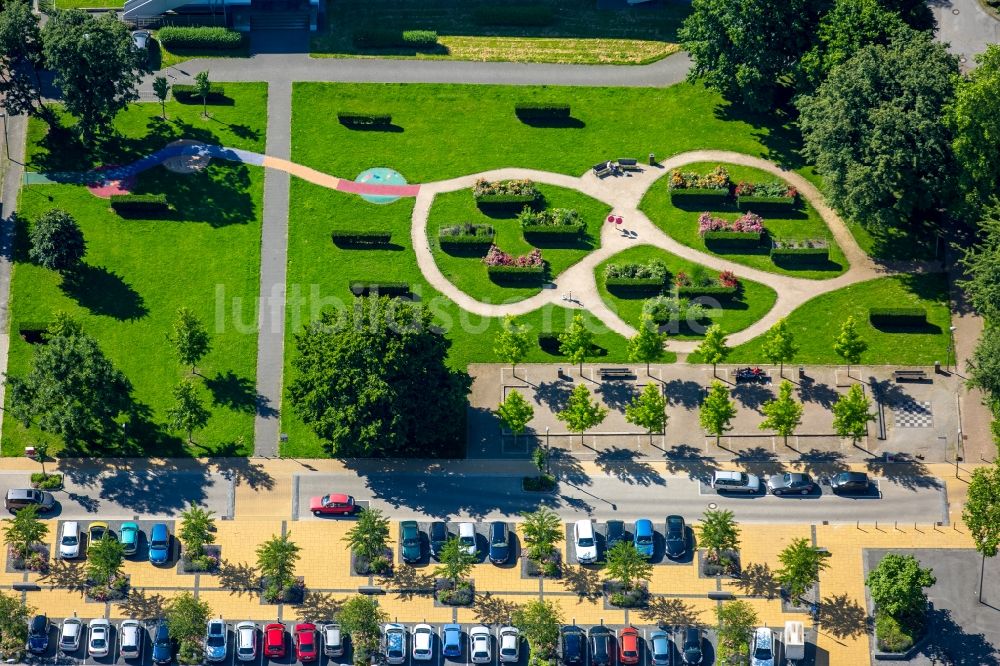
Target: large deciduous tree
x,y
373,381
801,564
57,242
897,585
981,513
21,59
14,617
984,366
539,622
736,621
975,120
981,264
186,620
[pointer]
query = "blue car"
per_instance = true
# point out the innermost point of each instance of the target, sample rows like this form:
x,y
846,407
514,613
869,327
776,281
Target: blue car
x,y
452,641
159,544
163,649
128,535
643,539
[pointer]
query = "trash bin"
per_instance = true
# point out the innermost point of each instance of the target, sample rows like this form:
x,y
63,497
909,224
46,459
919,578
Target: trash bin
x,y
652,159
937,367
802,371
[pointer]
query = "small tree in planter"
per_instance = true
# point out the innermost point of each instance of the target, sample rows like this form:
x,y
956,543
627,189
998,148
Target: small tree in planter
x,y
582,412
539,622
367,539
897,587
361,618
719,534
276,560
717,411
736,622
197,531
542,530
627,567
512,342
14,618
783,414
104,568
186,620
44,480
801,565
22,533
648,410
456,565
515,412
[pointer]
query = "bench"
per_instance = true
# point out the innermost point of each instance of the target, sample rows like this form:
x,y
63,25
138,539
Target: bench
x,y
603,169
909,375
629,164
616,373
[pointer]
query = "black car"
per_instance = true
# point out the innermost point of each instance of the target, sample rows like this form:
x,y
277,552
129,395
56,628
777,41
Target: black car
x,y
614,533
850,483
499,542
601,649
691,647
572,643
676,536
790,483
163,648
438,535
38,634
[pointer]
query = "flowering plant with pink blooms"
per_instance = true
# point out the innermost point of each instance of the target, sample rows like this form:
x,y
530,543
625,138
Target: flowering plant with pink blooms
x,y
497,257
748,222
728,279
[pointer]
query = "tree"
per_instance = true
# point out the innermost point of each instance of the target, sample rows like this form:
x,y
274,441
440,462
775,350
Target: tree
x,y
984,365
779,345
190,339
897,585
851,414
72,391
63,325
24,530
783,414
577,341
21,60
981,514
736,622
646,346
849,345
581,413
648,410
981,265
713,347
542,530
801,564
974,118
161,88
369,534
625,565
14,618
42,454
57,242
104,559
404,400
361,618
874,130
203,87
512,343
276,560
188,412
197,529
515,412
186,620
539,622
456,563
717,411
97,69
718,531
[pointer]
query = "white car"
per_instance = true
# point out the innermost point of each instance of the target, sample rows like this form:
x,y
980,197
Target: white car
x,y
762,647
69,635
467,538
333,640
510,645
216,640
69,540
423,642
585,542
479,645
246,641
131,638
394,643
99,643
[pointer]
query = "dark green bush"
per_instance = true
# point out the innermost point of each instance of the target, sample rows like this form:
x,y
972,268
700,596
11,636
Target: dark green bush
x,y
354,118
694,197
346,237
550,231
388,38
800,255
205,38
528,273
514,15
541,110
359,288
506,198
766,204
897,316
732,238
720,291
139,203
46,481
892,636
633,284
186,94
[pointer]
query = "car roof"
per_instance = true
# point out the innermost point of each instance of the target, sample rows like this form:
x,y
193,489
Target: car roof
x,y
763,634
98,524
479,630
644,525
71,526
586,526
159,529
439,526
339,498
853,476
466,529
22,493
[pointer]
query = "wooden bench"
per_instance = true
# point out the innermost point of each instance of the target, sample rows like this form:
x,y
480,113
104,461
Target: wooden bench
x,y
909,375
603,169
629,164
616,373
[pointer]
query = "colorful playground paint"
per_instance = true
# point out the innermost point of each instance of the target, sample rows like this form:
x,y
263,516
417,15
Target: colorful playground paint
x,y
377,178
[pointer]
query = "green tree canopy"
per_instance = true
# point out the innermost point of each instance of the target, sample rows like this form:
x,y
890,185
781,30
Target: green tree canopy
x,y
981,513
718,531
542,529
276,559
897,585
849,344
24,530
717,410
105,559
21,59
361,617
582,412
646,346
779,345
736,622
369,534
984,365
648,410
801,564
515,412
782,414
975,120
981,264
161,88
405,400
539,622
456,563
203,86
512,342
197,529
14,618
186,620
625,565
189,337
713,348
852,413
577,341
188,413
57,242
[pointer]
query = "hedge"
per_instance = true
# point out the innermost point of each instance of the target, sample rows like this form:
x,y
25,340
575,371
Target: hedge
x,y
466,240
139,203
633,284
187,94
352,237
711,290
732,238
506,198
693,197
516,272
549,230
897,316
359,288
800,255
514,15
354,118
766,204
206,38
386,38
541,110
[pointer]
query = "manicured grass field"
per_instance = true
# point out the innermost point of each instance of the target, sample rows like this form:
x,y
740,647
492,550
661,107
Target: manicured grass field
x,y
89,4
683,225
752,303
817,323
140,271
468,272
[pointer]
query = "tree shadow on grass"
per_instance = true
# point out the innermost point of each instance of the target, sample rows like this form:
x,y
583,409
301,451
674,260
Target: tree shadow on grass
x,y
104,292
218,196
317,606
776,130
233,391
669,611
585,583
491,610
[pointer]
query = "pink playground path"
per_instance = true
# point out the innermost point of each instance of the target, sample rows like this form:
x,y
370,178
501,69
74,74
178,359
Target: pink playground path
x,y
106,187
378,190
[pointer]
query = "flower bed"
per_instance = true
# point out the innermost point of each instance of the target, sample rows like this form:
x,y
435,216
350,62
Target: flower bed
x,y
46,481
505,191
551,221
748,223
649,276
467,236
796,252
673,309
716,179
500,264
698,283
36,559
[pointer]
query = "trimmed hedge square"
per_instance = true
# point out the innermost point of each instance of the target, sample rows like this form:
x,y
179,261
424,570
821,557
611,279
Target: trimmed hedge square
x,y
901,317
202,38
139,203
352,118
360,288
188,94
350,238
698,198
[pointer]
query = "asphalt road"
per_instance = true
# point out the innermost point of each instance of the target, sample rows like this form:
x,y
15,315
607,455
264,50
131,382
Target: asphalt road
x,y
626,497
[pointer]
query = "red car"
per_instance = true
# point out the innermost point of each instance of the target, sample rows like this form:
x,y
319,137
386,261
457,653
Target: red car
x,y
274,640
306,645
332,504
628,641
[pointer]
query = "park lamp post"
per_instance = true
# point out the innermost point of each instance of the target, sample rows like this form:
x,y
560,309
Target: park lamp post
x,y
547,450
951,349
6,141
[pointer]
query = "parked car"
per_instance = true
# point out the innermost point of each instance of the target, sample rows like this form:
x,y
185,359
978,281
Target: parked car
x,y
735,482
19,498
479,645
334,504
628,645
159,544
410,540
438,536
451,643
510,645
394,643
99,641
676,536
614,532
423,642
762,647
69,540
128,534
584,542
333,640
467,538
306,643
163,648
691,648
216,639
246,641
662,651
131,636
96,532
70,634
643,538
274,640
38,634
572,645
499,542
140,41
601,650
790,482
850,483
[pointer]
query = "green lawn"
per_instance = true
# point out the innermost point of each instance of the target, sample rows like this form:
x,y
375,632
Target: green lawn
x,y
161,58
752,303
139,272
89,4
469,273
682,225
817,323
